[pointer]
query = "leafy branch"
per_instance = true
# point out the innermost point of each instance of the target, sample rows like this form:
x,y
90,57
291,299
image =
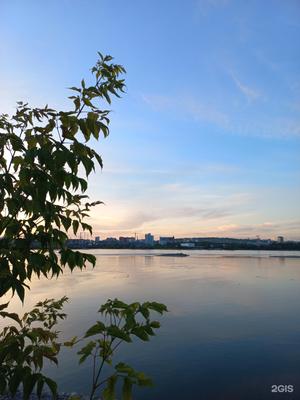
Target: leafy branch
x,y
24,346
42,195
122,323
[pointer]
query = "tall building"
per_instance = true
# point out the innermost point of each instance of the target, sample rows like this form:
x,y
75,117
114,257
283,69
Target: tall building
x,y
149,239
280,239
97,239
166,240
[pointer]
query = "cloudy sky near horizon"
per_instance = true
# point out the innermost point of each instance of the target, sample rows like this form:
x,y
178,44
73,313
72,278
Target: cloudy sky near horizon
x,y
206,140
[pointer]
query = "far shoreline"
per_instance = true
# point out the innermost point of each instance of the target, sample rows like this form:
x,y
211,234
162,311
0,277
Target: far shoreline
x,y
296,248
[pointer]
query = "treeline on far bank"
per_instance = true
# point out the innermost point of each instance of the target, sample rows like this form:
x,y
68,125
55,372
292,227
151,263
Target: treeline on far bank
x,y
287,246
213,244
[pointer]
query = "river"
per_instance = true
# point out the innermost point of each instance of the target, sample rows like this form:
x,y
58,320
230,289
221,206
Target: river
x,y
233,329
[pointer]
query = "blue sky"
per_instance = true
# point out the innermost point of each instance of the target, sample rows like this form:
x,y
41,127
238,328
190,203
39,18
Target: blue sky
x,y
206,140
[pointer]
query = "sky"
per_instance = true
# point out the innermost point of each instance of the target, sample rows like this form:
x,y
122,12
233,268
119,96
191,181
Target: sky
x,y
206,140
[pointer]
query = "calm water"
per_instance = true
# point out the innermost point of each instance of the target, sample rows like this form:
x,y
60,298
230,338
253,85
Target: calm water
x,y
233,329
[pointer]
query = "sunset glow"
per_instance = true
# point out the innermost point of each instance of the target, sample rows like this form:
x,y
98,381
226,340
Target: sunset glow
x,y
206,140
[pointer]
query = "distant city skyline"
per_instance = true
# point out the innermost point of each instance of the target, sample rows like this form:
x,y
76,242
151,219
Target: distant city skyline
x,y
206,140
150,236
188,243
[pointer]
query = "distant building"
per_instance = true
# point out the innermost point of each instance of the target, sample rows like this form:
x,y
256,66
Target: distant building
x,y
124,240
111,240
78,243
166,240
149,239
280,239
97,239
188,245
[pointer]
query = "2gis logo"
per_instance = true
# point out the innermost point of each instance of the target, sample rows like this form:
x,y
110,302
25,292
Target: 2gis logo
x,y
282,388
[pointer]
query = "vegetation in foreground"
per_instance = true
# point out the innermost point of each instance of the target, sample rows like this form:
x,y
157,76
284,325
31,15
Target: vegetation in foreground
x,y
43,197
24,347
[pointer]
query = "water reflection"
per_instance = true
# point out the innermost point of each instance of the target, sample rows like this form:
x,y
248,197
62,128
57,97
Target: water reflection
x,y
232,332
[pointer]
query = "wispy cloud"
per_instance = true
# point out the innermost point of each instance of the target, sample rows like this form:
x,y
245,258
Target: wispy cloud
x,y
229,120
250,93
188,106
204,6
265,229
200,222
270,127
195,169
173,207
189,210
137,220
131,222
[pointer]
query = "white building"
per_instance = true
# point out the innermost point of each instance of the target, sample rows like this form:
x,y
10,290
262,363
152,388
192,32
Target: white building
x,y
187,245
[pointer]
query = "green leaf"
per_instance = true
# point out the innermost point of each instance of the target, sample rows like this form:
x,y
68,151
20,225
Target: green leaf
x,y
124,368
75,88
99,327
86,351
77,103
75,225
29,381
20,290
17,161
83,184
15,380
86,227
155,324
39,389
84,129
70,343
127,389
90,258
116,332
87,102
99,159
145,312
158,307
66,222
109,391
107,98
140,333
120,304
92,116
52,386
13,316
3,306
143,380
149,330
2,384
88,165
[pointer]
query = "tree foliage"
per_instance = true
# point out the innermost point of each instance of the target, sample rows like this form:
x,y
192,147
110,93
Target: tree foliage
x,y
25,345
122,322
42,191
45,162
